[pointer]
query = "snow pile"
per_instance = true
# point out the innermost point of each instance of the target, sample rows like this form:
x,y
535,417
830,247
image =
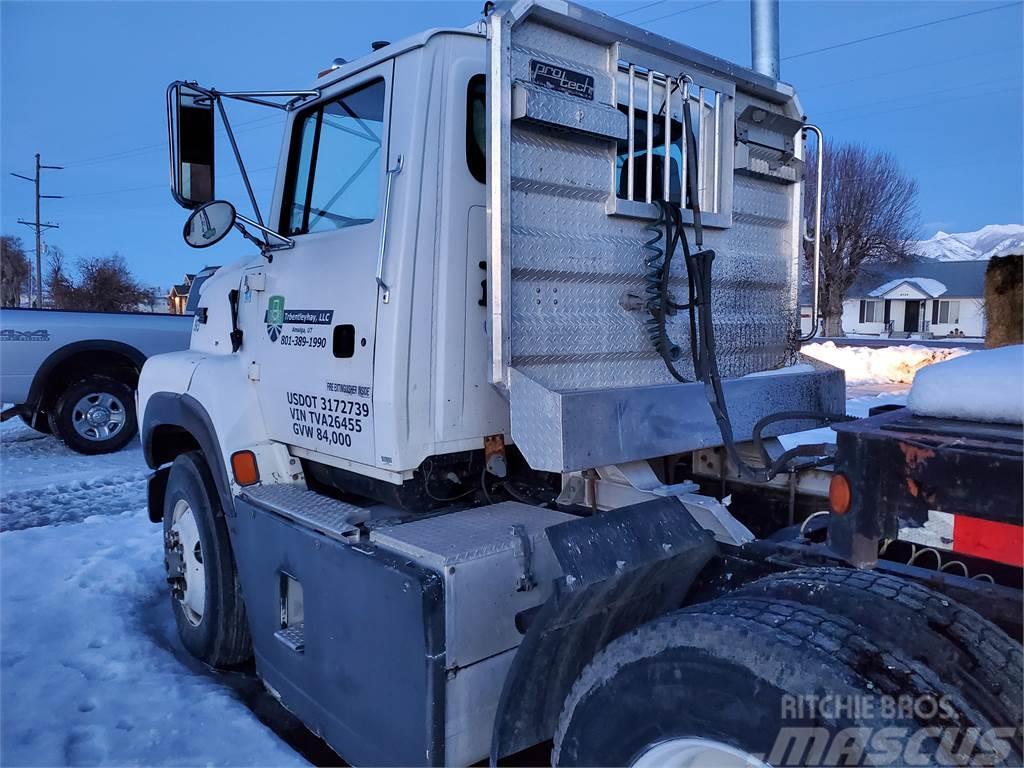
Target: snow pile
x,y
892,364
929,285
986,385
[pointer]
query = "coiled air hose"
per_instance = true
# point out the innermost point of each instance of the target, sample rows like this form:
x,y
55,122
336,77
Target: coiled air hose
x,y
657,265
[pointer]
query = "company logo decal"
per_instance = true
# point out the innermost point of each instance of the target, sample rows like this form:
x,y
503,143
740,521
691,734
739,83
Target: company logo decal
x,y
562,80
277,317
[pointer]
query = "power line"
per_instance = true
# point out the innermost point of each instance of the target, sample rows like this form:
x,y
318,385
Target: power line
x,y
682,11
161,186
37,224
901,99
639,8
924,65
927,105
880,114
145,148
901,30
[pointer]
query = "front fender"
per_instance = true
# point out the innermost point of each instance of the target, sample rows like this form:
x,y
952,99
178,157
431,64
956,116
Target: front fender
x,y
621,569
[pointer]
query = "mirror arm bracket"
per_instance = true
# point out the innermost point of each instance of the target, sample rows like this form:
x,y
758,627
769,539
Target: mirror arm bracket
x,y
238,159
265,246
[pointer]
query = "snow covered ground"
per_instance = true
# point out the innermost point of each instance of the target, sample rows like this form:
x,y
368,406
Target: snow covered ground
x,y
91,670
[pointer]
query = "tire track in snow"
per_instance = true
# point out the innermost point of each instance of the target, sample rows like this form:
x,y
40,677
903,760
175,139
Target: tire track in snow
x,y
73,502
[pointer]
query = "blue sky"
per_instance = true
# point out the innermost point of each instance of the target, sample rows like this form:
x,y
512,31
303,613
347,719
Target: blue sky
x,y
83,83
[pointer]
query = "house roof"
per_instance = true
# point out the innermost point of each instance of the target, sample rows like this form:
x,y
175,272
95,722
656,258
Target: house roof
x,y
960,279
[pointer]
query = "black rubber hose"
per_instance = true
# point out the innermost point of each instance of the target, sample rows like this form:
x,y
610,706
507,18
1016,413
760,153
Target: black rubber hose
x,y
702,339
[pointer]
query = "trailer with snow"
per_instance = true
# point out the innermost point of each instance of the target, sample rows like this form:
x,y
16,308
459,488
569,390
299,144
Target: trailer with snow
x,y
449,456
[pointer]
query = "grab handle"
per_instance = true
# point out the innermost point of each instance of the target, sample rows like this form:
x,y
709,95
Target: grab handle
x,y
392,172
817,231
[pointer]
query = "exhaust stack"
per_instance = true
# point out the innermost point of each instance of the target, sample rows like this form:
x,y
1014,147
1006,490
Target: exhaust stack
x,y
764,37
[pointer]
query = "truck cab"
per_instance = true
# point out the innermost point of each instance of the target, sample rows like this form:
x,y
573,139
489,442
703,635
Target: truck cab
x,y
420,460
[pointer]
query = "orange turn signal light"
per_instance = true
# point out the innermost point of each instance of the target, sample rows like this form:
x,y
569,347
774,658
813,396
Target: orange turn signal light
x,y
839,494
243,464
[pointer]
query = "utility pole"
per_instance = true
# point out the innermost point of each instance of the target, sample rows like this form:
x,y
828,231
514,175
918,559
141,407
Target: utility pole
x,y
38,225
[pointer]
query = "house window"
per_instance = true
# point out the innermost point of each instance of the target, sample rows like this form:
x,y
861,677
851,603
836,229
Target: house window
x,y
872,311
948,312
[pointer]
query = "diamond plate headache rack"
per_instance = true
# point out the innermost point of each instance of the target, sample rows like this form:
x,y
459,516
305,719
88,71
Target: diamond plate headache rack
x,y
571,212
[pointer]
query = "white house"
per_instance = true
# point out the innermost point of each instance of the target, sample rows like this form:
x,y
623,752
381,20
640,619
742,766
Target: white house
x,y
917,299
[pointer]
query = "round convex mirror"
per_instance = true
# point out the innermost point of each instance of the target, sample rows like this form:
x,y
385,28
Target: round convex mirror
x,y
209,223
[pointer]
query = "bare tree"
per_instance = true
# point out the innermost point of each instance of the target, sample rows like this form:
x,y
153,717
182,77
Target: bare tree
x,y
869,215
58,284
14,270
105,285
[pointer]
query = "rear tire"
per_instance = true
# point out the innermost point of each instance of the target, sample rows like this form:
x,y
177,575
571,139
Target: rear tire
x,y
95,415
961,647
729,675
206,597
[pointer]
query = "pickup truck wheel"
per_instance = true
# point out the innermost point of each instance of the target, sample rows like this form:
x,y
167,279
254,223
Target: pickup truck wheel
x,y
95,415
205,595
734,682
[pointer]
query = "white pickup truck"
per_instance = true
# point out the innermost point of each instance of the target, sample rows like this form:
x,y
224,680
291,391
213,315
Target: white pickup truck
x,y
74,373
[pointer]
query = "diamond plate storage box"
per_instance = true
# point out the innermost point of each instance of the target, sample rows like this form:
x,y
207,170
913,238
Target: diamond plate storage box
x,y
502,546
585,136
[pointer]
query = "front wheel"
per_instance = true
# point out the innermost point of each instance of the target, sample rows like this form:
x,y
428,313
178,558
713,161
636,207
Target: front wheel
x,y
205,594
95,415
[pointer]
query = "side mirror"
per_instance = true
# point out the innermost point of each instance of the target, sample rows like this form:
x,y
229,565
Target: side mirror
x,y
190,128
209,223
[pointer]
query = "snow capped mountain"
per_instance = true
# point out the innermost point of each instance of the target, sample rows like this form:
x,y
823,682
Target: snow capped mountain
x,y
989,241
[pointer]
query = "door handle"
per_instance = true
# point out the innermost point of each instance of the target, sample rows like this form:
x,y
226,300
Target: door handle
x,y
391,173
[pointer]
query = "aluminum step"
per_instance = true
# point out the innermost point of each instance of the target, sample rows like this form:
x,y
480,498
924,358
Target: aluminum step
x,y
333,518
294,637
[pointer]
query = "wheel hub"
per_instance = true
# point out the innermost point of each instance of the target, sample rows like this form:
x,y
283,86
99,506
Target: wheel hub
x,y
183,559
696,753
98,416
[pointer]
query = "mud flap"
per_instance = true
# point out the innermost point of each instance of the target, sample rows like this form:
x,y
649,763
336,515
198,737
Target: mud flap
x,y
621,568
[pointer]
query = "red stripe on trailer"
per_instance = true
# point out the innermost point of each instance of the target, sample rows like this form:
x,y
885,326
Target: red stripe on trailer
x,y
1001,542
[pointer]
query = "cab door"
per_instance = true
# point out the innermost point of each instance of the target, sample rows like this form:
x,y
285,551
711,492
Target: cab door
x,y
311,313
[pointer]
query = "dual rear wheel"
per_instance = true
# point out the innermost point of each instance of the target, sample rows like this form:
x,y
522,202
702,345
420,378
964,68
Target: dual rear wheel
x,y
815,667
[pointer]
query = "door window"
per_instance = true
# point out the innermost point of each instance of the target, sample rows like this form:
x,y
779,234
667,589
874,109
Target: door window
x,y
335,169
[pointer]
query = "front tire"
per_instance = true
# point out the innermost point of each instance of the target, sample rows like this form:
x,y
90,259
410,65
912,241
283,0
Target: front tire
x,y
95,415
206,597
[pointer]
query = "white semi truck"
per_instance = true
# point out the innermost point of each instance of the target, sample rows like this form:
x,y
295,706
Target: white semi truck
x,y
443,456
